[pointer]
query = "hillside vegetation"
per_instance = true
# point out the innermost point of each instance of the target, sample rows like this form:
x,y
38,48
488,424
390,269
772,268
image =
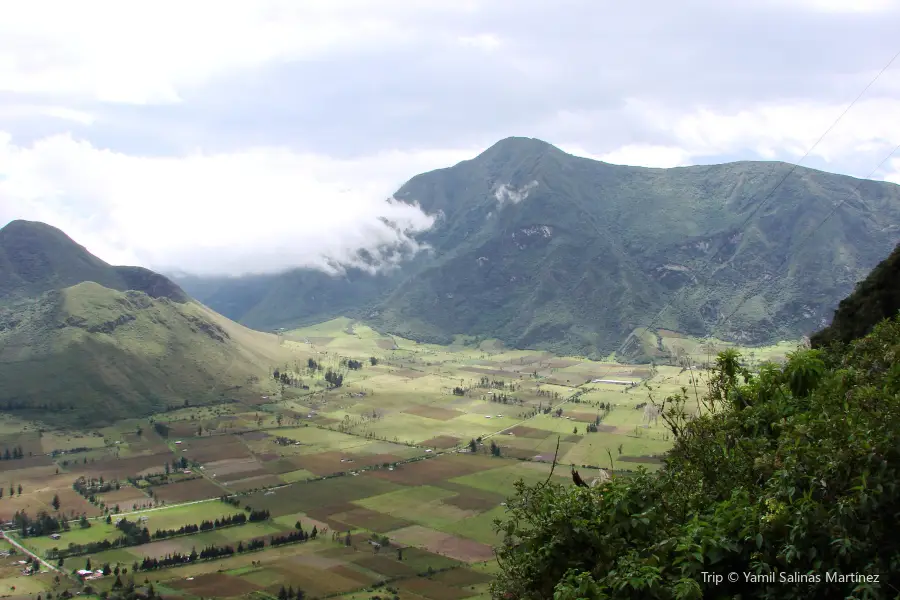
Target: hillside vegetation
x,y
92,354
789,473
83,342
549,251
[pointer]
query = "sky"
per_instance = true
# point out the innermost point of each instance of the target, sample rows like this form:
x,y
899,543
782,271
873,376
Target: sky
x,y
229,137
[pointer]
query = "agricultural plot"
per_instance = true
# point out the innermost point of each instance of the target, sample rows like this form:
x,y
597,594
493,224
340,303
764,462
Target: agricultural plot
x,y
380,465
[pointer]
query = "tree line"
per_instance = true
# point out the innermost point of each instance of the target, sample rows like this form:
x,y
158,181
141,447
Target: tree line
x,y
134,534
213,552
15,454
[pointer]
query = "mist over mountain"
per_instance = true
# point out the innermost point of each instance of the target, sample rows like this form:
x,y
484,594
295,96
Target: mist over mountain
x,y
546,250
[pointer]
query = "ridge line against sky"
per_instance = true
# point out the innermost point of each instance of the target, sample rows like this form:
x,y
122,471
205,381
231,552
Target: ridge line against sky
x,y
259,135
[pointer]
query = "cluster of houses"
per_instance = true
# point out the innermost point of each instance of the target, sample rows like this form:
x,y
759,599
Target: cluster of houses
x,y
89,575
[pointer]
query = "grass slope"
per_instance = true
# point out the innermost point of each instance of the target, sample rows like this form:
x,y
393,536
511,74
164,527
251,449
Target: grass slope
x,y
89,353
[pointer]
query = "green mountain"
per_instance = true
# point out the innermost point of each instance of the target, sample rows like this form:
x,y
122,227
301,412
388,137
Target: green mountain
x,y
36,258
546,250
85,342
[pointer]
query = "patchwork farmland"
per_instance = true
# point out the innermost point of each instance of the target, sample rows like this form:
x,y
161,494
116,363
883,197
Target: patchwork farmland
x,y
374,467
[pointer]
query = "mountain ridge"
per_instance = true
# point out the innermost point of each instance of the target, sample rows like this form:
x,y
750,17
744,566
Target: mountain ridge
x,y
36,257
550,251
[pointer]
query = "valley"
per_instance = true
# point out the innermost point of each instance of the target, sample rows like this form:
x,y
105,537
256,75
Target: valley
x,y
371,466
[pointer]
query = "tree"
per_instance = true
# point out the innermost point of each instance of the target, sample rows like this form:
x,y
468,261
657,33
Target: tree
x,y
495,449
87,565
282,593
19,489
55,502
473,447
298,526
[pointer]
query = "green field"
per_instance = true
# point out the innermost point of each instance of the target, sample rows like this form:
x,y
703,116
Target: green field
x,y
386,454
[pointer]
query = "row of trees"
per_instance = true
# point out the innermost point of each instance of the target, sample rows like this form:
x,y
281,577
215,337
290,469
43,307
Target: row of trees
x,y
214,552
134,534
12,490
15,454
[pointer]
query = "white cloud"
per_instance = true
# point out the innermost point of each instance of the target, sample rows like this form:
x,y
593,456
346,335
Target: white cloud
x,y
148,53
21,111
484,41
847,6
855,145
263,209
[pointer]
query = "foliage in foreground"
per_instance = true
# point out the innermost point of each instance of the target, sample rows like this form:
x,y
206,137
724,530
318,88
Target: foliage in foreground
x,y
790,473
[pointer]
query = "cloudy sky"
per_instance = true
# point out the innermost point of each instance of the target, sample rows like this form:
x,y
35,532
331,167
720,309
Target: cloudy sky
x,y
229,136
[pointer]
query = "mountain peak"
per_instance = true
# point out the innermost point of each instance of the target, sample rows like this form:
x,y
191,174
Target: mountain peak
x,y
36,257
517,147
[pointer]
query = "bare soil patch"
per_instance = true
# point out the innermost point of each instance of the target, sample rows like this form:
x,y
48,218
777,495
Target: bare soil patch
x,y
216,585
351,573
255,436
433,412
215,448
358,517
385,344
326,463
187,491
438,542
125,496
441,442
223,468
330,515
27,462
120,468
433,470
529,432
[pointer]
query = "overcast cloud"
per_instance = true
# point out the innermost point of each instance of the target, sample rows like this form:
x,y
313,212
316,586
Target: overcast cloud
x,y
246,136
